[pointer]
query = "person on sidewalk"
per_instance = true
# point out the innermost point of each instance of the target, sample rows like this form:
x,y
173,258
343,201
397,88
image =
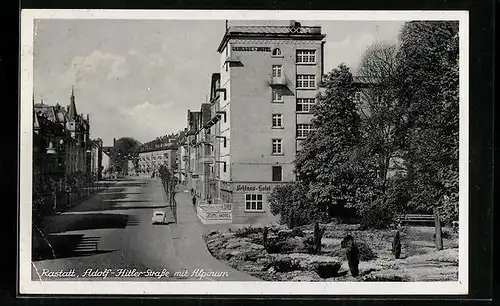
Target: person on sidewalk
x,y
194,201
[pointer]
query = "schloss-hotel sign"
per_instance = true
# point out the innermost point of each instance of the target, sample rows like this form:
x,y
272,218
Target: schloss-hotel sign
x,y
260,49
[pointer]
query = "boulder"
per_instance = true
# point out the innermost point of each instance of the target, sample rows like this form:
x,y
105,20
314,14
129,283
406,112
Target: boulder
x,y
305,276
308,262
386,276
264,262
286,265
250,268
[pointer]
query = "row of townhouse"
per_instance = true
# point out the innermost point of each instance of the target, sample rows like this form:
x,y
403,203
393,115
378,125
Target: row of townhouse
x,y
243,142
62,149
65,135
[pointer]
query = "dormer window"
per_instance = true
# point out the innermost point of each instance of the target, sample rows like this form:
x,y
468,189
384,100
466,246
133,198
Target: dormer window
x,y
277,52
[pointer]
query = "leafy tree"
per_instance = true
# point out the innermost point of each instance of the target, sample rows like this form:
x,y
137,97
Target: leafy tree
x,y
125,148
429,91
327,164
381,120
294,209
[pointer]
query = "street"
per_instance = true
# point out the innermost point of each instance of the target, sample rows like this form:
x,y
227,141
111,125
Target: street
x,y
109,235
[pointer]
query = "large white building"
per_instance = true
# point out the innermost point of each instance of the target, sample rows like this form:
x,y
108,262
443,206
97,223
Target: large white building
x,y
243,143
151,159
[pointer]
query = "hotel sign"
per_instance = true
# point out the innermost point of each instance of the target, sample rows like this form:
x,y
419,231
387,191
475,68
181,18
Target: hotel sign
x,y
260,188
250,49
218,216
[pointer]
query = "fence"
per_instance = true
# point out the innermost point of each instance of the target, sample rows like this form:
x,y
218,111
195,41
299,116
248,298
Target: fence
x,y
49,199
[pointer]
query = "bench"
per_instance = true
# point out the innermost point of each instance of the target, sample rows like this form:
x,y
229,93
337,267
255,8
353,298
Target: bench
x,y
417,219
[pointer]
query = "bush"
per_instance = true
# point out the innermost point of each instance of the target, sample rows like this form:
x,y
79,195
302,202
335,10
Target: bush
x,y
365,252
246,231
288,201
297,232
286,265
275,245
327,269
378,216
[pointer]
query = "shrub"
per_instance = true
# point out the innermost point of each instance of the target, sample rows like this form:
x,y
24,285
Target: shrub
x,y
275,245
365,252
327,269
297,232
286,265
378,216
288,201
246,231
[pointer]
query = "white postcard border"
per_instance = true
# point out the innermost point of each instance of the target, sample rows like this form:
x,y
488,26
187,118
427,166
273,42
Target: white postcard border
x,y
27,286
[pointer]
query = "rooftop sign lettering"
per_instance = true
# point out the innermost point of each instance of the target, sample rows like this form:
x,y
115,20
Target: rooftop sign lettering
x,y
261,49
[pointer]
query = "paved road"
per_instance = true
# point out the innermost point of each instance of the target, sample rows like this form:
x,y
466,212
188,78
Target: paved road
x,y
110,235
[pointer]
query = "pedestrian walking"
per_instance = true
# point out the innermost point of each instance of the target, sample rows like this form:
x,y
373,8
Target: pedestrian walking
x,y
192,191
194,201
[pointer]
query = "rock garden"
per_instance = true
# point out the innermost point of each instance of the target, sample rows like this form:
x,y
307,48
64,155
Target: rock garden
x,y
336,252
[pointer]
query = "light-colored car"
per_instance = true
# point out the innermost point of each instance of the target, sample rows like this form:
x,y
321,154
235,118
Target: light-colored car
x,y
159,217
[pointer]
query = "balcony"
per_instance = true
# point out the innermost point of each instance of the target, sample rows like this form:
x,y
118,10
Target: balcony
x,y
233,61
281,81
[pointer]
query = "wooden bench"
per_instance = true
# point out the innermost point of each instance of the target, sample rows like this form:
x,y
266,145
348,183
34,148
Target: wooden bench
x,y
417,219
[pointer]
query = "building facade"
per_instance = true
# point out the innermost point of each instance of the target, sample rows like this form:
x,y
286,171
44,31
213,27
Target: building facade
x,y
150,160
259,114
96,166
71,142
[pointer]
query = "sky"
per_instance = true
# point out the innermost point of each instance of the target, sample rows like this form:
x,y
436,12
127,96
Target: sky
x,y
138,78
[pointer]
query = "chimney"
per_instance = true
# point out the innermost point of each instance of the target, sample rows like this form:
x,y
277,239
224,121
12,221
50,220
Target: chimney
x,y
114,142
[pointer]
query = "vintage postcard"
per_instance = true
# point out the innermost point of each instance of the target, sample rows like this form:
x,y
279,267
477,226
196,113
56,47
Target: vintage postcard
x,y
243,152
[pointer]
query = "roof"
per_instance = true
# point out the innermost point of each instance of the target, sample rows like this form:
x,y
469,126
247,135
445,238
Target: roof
x,y
271,32
164,148
303,30
46,110
72,106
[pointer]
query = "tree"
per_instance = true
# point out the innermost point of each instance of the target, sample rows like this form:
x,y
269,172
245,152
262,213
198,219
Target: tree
x,y
327,163
294,209
429,91
381,120
125,149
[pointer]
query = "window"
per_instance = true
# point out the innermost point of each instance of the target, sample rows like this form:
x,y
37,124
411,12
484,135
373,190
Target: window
x,y
224,167
303,130
277,95
277,71
277,146
277,52
225,142
277,173
306,56
357,97
277,120
253,202
304,104
306,81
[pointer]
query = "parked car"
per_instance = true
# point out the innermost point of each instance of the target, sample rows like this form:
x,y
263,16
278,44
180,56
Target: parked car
x,y
159,217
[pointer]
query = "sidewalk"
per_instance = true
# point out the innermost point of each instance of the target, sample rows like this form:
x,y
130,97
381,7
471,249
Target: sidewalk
x,y
191,248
